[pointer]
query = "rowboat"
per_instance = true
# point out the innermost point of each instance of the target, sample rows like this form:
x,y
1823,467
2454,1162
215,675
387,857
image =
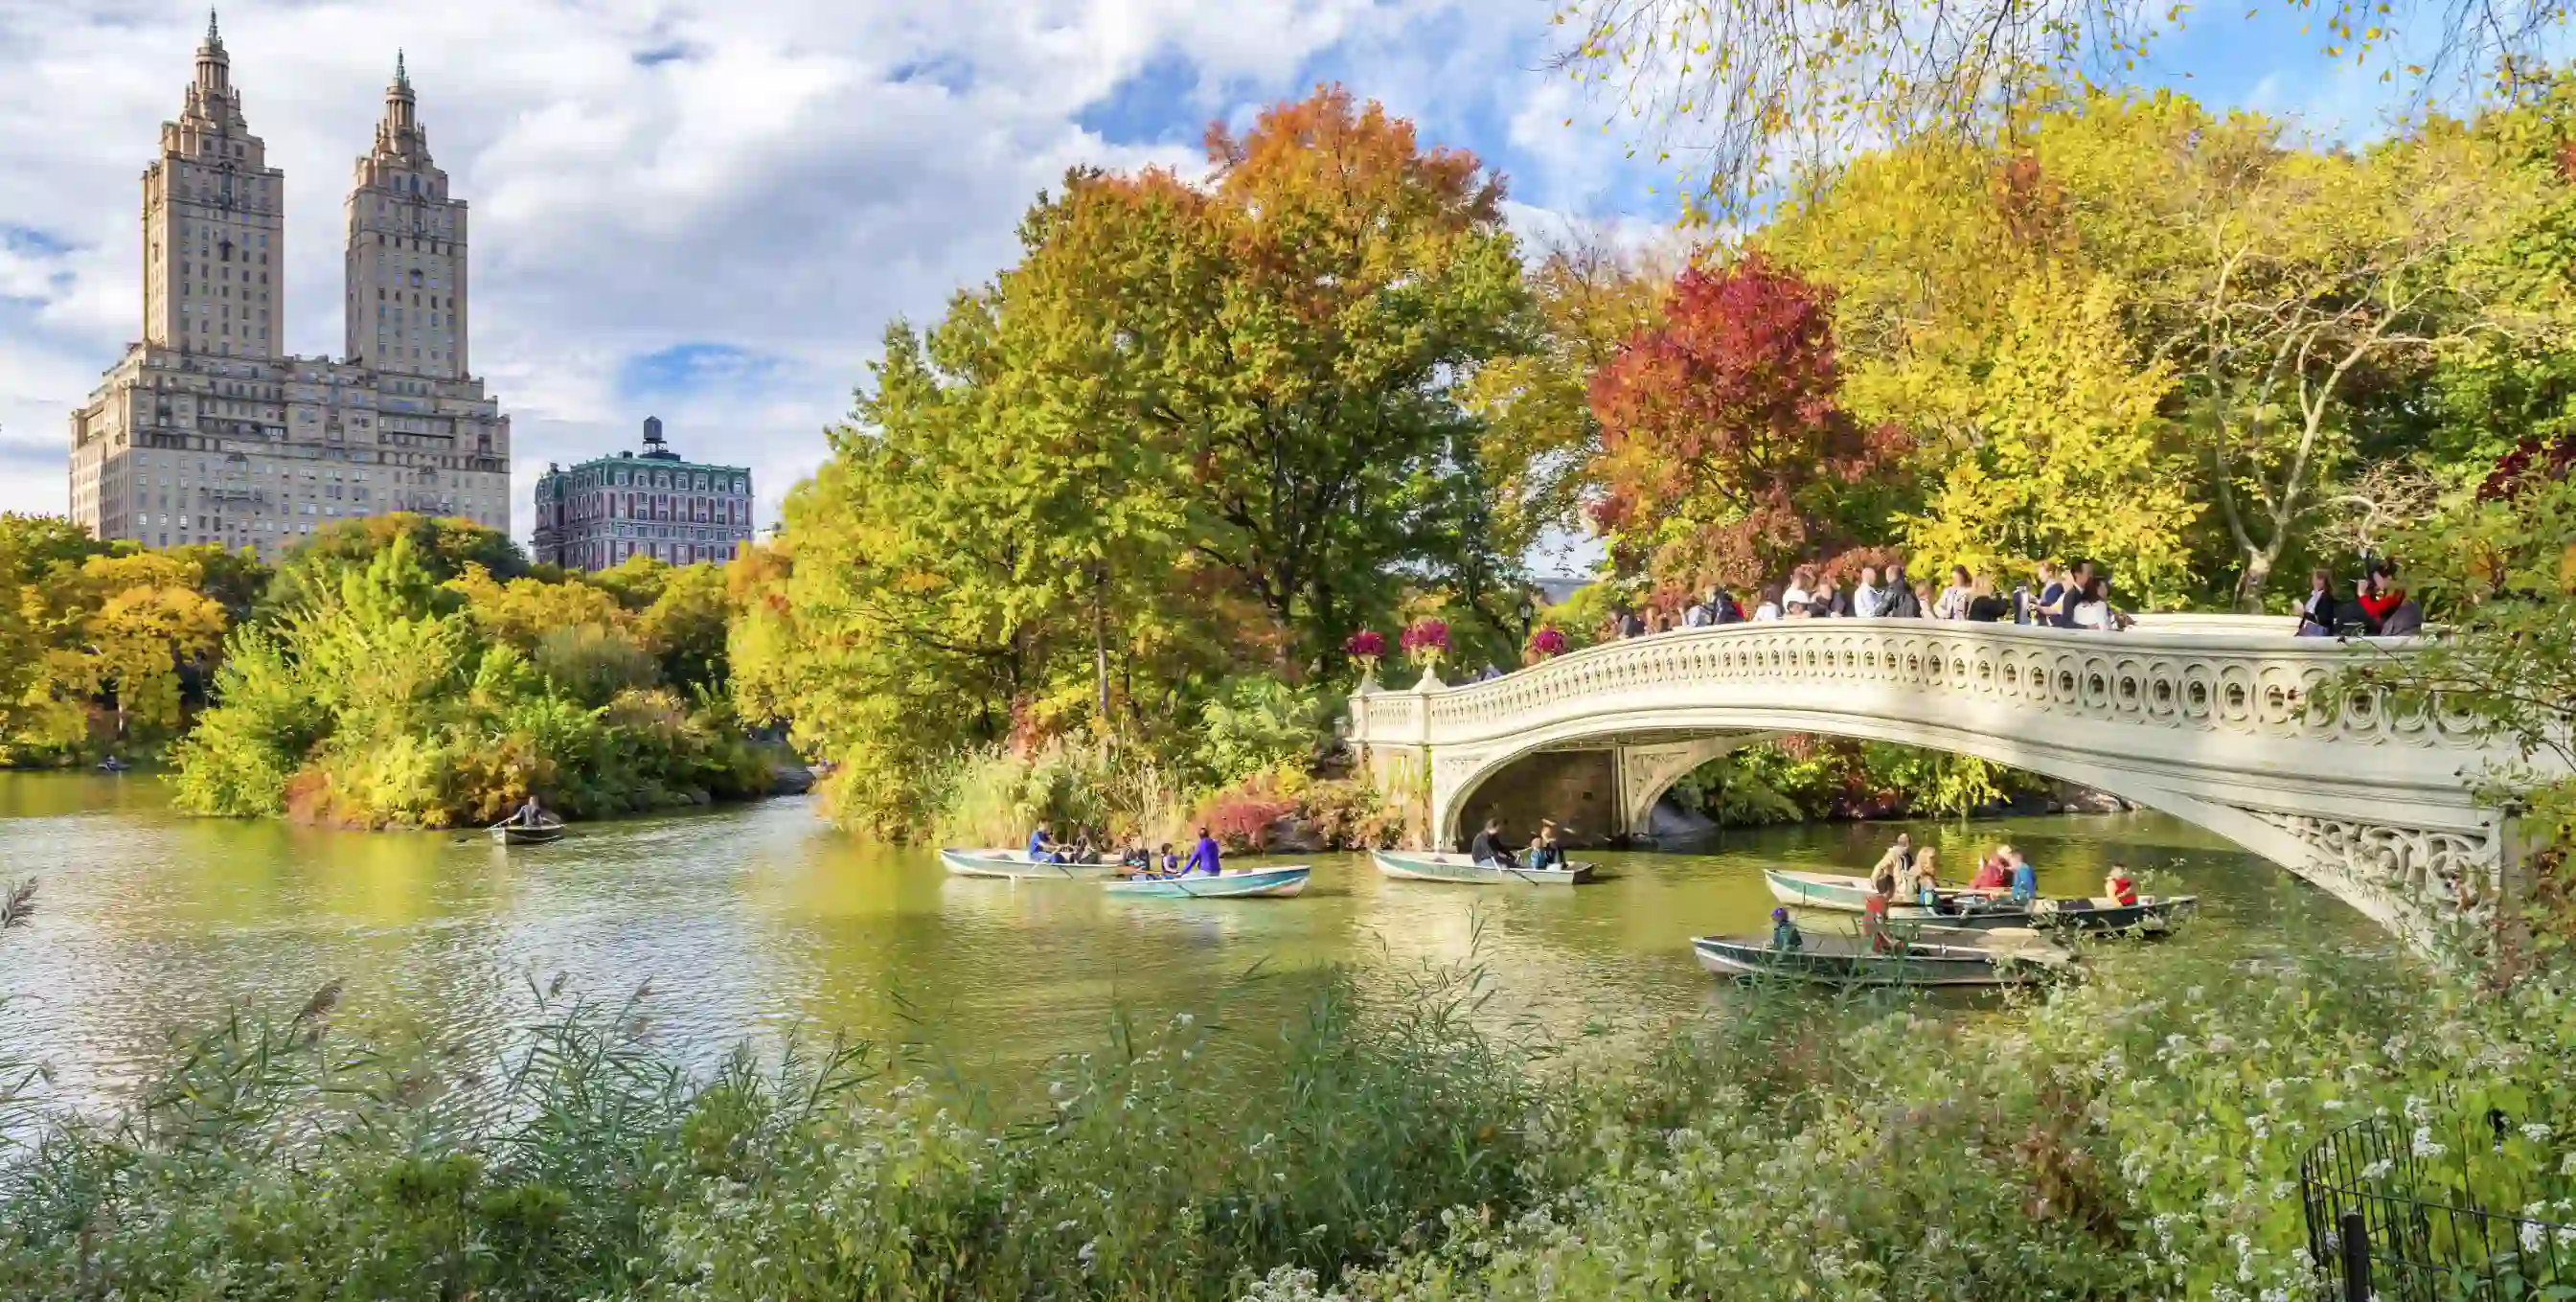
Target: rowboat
x,y
1927,956
1981,909
1016,863
1249,884
1425,866
521,834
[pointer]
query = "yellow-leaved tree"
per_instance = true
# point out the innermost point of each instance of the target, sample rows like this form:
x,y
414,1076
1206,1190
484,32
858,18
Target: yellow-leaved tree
x,y
2064,456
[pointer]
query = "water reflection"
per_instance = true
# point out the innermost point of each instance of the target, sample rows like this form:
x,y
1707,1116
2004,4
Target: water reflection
x,y
759,919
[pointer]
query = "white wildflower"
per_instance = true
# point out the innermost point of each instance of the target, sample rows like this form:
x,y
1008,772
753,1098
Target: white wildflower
x,y
2535,1131
2425,1146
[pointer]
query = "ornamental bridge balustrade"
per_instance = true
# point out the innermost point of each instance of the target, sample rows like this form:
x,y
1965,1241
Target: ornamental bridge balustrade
x,y
2229,723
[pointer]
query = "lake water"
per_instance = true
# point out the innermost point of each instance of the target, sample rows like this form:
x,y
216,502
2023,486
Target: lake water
x,y
758,919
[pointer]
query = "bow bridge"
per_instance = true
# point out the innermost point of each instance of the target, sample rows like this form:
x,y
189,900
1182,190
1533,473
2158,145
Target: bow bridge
x,y
2225,722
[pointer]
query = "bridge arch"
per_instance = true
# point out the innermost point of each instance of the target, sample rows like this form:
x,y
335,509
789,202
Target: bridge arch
x,y
2220,722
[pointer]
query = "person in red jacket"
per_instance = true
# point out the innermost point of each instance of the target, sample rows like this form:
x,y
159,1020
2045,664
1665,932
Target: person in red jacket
x,y
2118,888
2379,596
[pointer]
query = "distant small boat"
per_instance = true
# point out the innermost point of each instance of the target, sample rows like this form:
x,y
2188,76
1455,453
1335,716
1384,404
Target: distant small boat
x,y
521,834
1928,956
1426,866
113,765
1981,910
1016,863
1249,884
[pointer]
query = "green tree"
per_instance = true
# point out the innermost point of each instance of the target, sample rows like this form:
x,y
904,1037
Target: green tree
x,y
443,548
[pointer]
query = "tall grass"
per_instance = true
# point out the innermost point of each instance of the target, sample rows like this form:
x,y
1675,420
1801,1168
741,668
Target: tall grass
x,y
992,796
2132,1136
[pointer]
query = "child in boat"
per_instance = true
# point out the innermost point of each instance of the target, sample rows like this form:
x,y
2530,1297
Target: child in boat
x,y
1784,933
1927,881
2025,879
2118,887
1166,863
1544,852
1873,923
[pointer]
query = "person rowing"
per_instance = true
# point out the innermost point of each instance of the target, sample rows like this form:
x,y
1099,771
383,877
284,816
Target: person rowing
x,y
1205,856
1487,849
529,814
1042,846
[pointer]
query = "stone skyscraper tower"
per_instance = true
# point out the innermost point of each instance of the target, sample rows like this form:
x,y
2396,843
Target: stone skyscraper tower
x,y
208,431
406,274
214,225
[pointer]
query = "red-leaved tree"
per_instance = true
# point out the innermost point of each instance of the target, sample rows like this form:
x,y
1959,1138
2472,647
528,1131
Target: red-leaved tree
x,y
1726,456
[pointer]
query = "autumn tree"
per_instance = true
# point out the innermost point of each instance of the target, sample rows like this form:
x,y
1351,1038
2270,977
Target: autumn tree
x,y
1197,429
2323,277
1741,96
1726,452
1540,439
2063,455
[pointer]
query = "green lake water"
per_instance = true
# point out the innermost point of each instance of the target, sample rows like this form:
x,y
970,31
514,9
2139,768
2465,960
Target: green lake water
x,y
760,919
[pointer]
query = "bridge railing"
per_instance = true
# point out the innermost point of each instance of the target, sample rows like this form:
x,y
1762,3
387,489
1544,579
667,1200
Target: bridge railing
x,y
2222,673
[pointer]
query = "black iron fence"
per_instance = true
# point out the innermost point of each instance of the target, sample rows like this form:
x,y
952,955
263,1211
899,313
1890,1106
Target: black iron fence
x,y
2397,1216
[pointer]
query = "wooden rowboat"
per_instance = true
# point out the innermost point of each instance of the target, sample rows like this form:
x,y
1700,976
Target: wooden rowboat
x,y
1425,866
1016,863
1980,909
1252,883
520,834
1929,957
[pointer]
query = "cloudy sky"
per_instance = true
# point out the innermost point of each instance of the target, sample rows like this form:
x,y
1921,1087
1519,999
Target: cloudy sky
x,y
707,210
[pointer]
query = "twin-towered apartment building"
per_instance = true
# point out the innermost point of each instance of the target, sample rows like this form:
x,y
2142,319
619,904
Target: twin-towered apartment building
x,y
207,431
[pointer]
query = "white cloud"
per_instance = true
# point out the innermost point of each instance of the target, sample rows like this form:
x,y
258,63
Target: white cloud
x,y
776,178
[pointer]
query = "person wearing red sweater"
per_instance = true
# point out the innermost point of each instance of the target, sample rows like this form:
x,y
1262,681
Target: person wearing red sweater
x,y
2379,596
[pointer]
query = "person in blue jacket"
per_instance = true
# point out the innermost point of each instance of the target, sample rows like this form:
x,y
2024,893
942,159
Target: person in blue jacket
x,y
1042,847
1205,856
2025,879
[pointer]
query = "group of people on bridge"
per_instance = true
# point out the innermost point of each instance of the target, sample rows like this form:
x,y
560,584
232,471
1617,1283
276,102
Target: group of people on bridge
x,y
2378,607
2079,597
1134,861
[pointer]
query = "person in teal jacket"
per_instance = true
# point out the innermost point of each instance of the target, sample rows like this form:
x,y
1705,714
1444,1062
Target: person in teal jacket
x,y
2025,880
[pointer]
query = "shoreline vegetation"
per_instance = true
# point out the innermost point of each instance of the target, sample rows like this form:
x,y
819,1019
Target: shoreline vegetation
x,y
2134,1135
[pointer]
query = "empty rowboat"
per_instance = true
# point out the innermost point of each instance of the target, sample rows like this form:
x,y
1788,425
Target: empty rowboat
x,y
1951,959
1017,863
1978,909
1252,883
1428,866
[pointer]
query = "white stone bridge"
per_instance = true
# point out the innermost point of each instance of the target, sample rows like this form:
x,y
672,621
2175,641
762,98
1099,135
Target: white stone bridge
x,y
2225,722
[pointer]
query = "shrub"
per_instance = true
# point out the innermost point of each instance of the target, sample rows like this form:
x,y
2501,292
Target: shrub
x,y
1256,725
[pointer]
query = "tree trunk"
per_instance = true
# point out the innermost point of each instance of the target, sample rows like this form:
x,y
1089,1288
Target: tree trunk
x,y
1100,638
2257,575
